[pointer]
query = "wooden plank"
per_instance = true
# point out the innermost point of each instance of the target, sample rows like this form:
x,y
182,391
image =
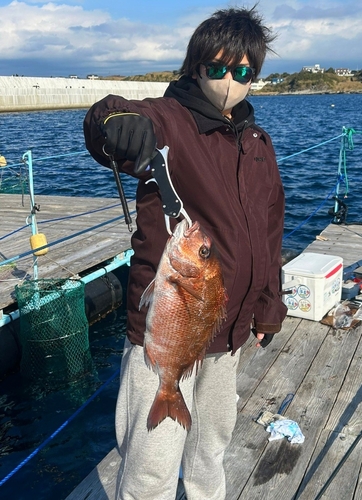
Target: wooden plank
x,y
325,379
100,484
342,240
66,258
309,359
321,366
358,492
255,363
250,440
282,466
250,370
346,416
343,484
343,426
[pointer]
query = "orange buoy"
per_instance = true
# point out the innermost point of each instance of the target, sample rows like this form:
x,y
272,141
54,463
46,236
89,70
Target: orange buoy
x,y
36,241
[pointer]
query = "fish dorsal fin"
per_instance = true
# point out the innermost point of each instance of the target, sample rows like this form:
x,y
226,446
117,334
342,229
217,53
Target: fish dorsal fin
x,y
187,285
147,296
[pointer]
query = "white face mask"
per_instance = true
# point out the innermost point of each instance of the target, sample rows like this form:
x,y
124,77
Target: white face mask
x,y
224,94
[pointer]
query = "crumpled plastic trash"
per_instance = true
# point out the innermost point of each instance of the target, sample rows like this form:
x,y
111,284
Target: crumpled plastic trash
x,y
285,428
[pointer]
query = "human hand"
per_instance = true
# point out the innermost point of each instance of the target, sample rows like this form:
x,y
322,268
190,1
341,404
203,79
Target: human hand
x,y
130,136
264,338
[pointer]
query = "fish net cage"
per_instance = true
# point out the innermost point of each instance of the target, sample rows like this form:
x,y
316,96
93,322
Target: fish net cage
x,y
53,330
12,182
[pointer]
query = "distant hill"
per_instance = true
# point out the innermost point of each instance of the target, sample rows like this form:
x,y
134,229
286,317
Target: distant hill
x,y
305,81
155,76
302,82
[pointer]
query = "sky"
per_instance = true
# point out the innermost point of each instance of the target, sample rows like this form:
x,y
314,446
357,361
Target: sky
x,y
129,37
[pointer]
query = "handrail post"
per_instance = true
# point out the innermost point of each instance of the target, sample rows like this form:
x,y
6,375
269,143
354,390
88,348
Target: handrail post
x,y
336,202
28,159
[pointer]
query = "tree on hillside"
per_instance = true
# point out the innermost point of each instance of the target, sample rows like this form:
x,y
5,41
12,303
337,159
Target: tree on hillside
x,y
273,75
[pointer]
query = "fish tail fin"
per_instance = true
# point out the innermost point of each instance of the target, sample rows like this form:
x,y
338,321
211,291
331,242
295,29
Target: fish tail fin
x,y
172,406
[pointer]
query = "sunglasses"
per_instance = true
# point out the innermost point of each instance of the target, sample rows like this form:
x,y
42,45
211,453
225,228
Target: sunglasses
x,y
217,71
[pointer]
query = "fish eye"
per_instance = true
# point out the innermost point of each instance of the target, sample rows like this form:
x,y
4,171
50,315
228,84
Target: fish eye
x,y
204,252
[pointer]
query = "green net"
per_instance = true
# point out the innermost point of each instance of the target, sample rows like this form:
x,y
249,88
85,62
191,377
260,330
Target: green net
x,y
53,330
12,183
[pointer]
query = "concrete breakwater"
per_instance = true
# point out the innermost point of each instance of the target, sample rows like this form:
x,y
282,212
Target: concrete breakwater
x,y
22,93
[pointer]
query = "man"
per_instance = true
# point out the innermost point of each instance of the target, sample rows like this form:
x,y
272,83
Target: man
x,y
223,168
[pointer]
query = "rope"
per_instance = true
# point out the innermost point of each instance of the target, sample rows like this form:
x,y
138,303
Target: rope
x,y
61,266
347,141
346,132
346,144
313,213
47,441
14,232
81,214
61,240
48,158
312,147
62,155
63,218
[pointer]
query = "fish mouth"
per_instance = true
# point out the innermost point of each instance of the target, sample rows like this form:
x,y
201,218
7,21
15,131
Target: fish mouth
x,y
189,230
183,230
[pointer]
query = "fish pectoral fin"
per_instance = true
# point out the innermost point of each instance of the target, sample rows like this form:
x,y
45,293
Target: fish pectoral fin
x,y
184,267
186,285
146,297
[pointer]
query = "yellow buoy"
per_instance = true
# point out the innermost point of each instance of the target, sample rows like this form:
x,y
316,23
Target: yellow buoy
x,y
3,161
38,240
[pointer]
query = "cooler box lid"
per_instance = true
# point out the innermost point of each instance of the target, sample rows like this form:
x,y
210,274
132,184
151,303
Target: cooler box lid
x,y
313,265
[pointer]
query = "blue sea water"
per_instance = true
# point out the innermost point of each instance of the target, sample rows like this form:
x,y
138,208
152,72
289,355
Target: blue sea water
x,y
29,415
295,123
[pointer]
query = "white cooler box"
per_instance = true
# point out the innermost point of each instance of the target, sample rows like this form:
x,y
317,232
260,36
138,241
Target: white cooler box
x,y
315,284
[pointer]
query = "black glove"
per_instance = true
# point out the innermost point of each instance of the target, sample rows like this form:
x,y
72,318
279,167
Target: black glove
x,y
268,337
130,136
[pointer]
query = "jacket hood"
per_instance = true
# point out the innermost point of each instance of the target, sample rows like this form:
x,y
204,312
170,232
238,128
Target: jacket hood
x,y
187,92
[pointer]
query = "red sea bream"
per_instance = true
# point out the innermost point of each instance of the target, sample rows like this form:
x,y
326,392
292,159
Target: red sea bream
x,y
187,303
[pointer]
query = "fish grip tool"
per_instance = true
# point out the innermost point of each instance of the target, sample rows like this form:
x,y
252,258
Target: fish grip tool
x,y
172,205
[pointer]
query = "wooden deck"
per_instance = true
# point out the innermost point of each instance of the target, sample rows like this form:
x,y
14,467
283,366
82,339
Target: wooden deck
x,y
342,240
322,367
69,257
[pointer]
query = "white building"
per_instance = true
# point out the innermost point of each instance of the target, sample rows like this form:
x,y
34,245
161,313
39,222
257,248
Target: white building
x,y
343,72
258,85
313,69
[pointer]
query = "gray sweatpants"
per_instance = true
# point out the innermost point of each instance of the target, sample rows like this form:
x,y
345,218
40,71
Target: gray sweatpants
x,y
151,460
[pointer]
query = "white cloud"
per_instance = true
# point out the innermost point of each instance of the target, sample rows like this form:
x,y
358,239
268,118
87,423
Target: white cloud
x,y
26,27
68,32
92,40
321,32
